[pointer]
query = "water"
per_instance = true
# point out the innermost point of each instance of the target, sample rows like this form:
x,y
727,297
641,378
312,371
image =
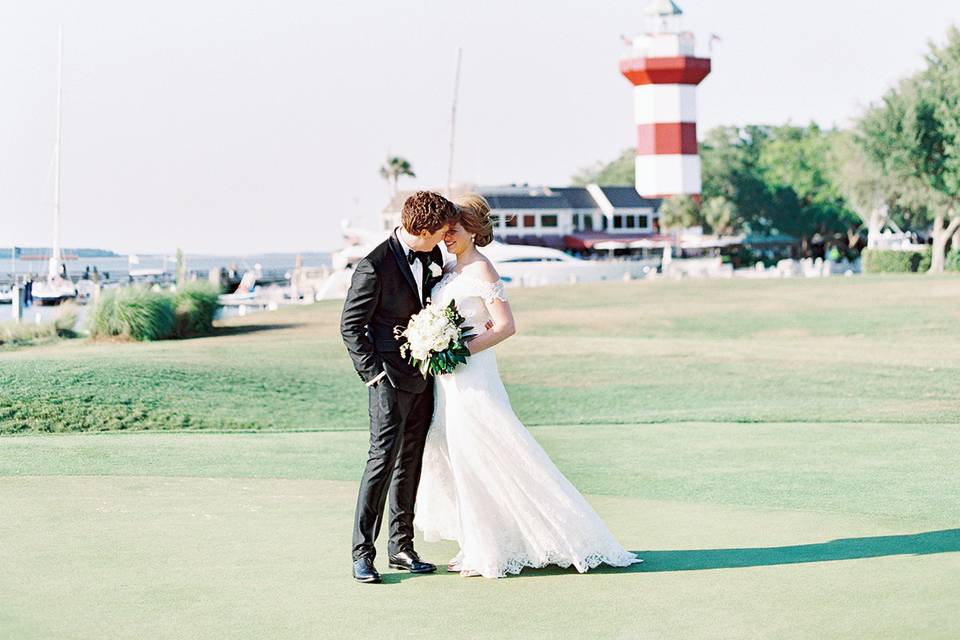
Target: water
x,y
118,267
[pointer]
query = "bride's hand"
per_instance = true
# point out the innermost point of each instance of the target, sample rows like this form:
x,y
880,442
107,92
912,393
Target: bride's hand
x,y
486,327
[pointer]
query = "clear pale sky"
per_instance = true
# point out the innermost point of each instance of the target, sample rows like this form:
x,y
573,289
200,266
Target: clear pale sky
x,y
228,126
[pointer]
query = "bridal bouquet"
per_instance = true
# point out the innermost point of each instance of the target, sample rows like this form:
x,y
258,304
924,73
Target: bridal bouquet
x,y
435,339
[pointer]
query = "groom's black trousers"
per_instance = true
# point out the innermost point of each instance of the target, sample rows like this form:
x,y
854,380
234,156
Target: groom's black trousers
x,y
398,430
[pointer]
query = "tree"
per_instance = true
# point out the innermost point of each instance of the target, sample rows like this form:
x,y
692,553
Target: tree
x,y
395,168
862,183
677,213
729,159
795,165
615,173
914,135
718,213
946,63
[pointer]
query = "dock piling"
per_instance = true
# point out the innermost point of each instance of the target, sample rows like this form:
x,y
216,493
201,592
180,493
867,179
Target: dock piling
x,y
16,302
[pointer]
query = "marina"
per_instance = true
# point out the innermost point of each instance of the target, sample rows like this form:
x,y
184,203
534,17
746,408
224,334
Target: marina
x,y
651,287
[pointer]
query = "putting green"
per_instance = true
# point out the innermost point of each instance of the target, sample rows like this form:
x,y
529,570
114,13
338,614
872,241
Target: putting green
x,y
151,551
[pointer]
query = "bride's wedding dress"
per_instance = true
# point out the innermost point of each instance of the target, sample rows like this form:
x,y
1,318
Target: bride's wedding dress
x,y
486,483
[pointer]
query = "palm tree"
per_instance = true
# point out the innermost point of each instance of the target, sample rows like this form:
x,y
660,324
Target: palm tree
x,y
677,213
718,213
393,169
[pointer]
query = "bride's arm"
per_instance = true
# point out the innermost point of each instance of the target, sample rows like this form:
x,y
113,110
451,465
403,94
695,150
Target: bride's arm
x,y
501,316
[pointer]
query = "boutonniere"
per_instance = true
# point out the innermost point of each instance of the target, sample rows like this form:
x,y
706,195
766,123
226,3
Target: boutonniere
x,y
435,270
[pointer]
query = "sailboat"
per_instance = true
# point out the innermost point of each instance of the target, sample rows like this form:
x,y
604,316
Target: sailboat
x,y
57,288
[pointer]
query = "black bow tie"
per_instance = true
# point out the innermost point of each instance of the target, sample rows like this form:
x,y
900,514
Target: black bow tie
x,y
422,256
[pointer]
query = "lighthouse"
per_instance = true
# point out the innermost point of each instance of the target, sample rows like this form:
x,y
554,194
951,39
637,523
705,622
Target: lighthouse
x,y
665,72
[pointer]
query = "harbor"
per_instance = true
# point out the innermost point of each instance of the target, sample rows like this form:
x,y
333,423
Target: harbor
x,y
542,287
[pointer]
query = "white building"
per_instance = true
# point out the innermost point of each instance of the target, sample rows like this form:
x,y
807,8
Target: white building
x,y
571,218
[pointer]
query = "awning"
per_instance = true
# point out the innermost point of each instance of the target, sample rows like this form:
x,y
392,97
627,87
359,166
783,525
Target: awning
x,y
602,241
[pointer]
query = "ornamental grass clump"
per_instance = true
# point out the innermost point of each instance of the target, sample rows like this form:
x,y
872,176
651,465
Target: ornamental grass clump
x,y
195,306
138,313
135,313
23,333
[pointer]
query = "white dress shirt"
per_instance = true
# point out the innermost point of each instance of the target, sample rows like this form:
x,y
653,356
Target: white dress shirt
x,y
416,267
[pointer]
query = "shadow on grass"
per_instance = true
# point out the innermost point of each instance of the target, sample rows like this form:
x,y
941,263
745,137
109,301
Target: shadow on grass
x,y
943,541
400,576
241,329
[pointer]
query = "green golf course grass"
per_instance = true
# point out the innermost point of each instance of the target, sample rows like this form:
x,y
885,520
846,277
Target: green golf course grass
x,y
784,455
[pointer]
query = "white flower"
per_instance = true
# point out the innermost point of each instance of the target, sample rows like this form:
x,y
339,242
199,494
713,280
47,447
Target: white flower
x,y
435,270
429,332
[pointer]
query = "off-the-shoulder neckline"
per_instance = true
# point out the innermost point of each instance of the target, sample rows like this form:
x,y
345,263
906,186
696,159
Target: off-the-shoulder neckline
x,y
472,277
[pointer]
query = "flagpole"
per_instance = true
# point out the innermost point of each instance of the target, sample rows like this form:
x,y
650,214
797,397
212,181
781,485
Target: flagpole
x,y
453,123
54,269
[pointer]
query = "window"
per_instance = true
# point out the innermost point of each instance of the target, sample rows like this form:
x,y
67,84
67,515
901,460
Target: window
x,y
587,223
631,222
576,221
605,222
529,221
511,221
548,220
495,220
643,222
618,222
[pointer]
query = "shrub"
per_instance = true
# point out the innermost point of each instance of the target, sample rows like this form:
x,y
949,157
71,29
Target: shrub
x,y
953,260
195,305
892,261
66,320
22,333
18,333
133,312
143,314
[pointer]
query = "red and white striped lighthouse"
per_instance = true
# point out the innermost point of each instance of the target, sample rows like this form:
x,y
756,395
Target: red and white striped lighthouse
x,y
665,73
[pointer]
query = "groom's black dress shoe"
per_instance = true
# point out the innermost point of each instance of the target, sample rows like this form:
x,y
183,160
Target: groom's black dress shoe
x,y
364,571
410,561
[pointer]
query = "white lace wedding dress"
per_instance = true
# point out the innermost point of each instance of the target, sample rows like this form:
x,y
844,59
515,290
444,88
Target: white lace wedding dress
x,y
486,482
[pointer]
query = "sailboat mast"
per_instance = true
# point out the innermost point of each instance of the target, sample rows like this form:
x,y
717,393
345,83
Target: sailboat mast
x,y
55,259
453,123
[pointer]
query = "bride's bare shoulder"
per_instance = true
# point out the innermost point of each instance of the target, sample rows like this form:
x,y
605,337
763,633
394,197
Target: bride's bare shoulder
x,y
483,269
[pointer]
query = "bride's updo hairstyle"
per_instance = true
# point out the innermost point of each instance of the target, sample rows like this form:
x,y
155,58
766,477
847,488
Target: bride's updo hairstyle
x,y
475,218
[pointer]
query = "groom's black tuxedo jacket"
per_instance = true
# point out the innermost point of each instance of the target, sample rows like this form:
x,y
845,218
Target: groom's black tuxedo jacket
x,y
383,295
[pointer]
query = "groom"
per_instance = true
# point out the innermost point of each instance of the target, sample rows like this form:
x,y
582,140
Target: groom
x,y
389,286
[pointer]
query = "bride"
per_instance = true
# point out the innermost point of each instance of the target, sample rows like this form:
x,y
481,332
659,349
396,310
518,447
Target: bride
x,y
486,483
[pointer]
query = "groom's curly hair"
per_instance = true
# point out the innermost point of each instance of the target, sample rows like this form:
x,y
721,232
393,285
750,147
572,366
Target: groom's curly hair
x,y
426,210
